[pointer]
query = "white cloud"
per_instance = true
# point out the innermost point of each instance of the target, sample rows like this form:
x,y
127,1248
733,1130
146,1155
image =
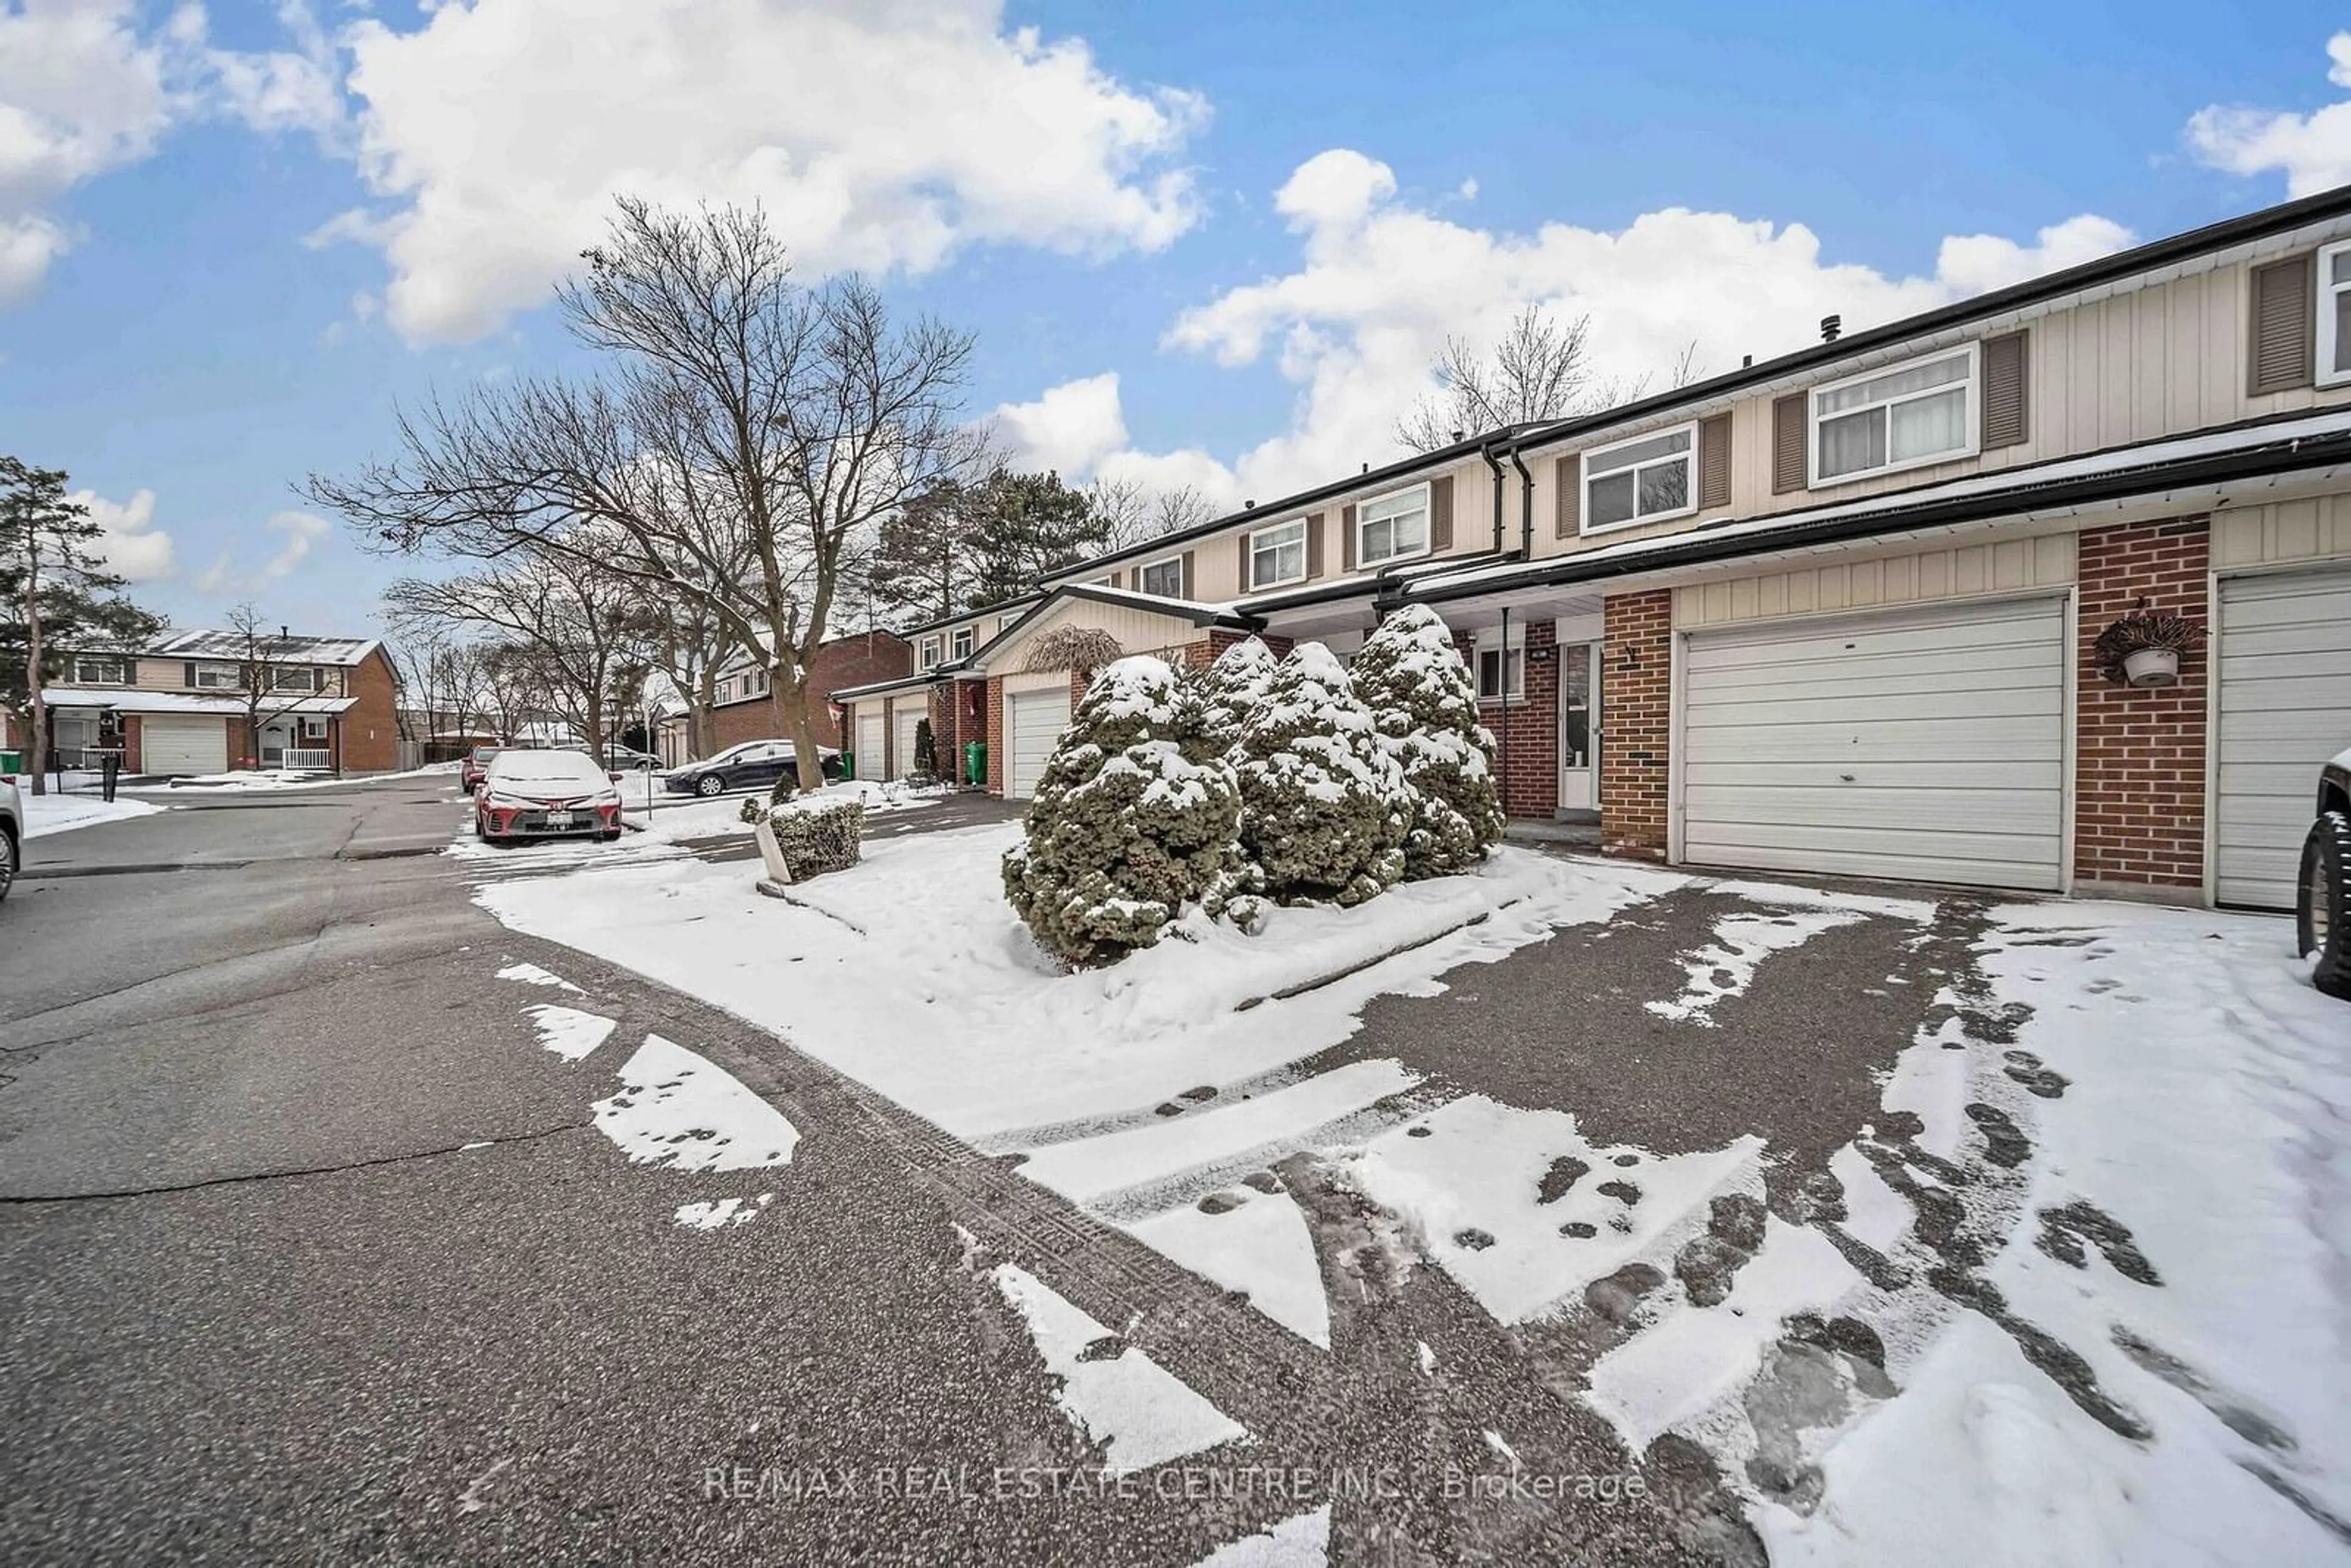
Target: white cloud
x,y
879,134
134,546
2313,150
83,90
1072,428
302,530
1381,282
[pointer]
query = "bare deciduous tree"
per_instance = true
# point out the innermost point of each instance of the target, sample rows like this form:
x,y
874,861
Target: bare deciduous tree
x,y
1138,513
1539,371
746,440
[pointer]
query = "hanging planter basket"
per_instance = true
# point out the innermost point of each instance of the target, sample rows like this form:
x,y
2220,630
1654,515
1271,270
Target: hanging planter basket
x,y
2143,648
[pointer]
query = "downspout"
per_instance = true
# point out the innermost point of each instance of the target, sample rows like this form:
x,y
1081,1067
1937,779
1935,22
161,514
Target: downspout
x,y
1502,668
1525,506
1486,451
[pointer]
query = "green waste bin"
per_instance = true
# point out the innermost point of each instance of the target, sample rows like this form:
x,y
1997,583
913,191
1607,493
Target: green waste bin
x,y
849,765
12,762
975,763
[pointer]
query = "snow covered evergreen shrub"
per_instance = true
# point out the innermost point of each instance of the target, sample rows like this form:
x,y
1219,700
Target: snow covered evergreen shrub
x,y
1418,690
1128,826
755,811
1227,692
816,835
1324,806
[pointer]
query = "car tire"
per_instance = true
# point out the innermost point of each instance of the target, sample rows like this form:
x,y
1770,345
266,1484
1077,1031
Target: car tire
x,y
7,862
2322,903
709,784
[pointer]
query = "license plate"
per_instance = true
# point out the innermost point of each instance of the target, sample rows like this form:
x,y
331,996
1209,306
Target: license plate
x,y
558,819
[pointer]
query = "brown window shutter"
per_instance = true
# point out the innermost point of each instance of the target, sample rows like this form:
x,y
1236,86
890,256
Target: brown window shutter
x,y
2285,326
1788,440
1714,461
1346,539
1247,586
1568,472
1185,572
1313,546
2005,363
1440,512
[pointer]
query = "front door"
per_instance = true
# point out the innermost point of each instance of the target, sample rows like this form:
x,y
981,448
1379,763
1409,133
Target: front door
x,y
1578,726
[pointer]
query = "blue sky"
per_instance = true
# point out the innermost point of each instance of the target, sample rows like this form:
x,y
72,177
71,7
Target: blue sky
x,y
1209,245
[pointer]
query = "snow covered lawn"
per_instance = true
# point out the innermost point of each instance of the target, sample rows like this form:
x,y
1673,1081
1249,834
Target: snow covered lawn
x,y
2081,1291
46,814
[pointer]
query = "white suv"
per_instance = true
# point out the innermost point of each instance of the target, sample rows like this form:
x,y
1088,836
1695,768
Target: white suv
x,y
12,832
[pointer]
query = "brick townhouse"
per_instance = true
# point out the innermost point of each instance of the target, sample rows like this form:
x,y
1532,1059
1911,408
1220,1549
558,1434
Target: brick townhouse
x,y
1835,612
184,706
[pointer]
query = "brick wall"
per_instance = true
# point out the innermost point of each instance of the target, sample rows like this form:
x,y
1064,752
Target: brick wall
x,y
1211,647
2139,791
1527,742
371,727
996,734
1636,742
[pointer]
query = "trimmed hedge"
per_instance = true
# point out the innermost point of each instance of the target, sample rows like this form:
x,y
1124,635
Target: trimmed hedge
x,y
819,836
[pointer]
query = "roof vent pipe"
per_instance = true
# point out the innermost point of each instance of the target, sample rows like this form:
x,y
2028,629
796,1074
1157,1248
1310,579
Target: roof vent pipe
x,y
1829,327
1746,361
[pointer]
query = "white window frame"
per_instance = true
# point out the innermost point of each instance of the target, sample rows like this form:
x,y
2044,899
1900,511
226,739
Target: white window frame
x,y
1484,643
1255,586
1149,566
120,676
959,645
293,678
229,677
1583,523
1364,559
1971,422
2327,375
930,654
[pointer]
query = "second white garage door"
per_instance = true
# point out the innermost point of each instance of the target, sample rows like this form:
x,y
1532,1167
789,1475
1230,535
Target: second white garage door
x,y
871,763
1035,720
901,759
1922,744
2284,653
183,746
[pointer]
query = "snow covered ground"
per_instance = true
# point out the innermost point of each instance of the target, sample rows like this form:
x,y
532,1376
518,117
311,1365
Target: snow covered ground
x,y
273,778
2084,1295
55,814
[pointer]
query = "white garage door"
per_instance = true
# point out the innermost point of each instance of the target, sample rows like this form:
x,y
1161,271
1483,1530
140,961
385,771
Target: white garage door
x,y
901,760
1036,720
870,760
183,746
1925,744
2284,653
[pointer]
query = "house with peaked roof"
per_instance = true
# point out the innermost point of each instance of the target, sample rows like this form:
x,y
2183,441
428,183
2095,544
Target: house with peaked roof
x,y
1837,611
185,706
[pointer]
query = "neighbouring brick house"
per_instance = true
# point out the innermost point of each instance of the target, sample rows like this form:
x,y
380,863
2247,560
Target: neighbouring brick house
x,y
1835,612
745,710
184,706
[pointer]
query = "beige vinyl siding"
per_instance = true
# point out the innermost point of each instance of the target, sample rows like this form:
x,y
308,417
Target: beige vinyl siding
x,y
1138,630
2318,528
2165,360
1923,577
161,676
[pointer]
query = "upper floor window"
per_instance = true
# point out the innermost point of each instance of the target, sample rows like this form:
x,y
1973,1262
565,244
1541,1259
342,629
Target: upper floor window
x,y
1162,577
1924,412
292,678
218,677
1641,480
1393,527
1277,555
2334,315
929,659
89,672
960,643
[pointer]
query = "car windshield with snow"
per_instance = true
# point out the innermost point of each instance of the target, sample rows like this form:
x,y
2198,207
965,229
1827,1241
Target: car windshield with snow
x,y
546,794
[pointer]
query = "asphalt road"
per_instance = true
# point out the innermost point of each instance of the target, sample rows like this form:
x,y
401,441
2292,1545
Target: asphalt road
x,y
309,1252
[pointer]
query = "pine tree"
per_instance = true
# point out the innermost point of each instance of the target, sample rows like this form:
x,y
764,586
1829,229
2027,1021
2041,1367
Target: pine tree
x,y
1413,681
1126,830
57,596
1324,806
1026,526
1229,691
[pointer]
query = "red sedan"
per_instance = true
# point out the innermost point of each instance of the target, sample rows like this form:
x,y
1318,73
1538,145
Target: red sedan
x,y
546,794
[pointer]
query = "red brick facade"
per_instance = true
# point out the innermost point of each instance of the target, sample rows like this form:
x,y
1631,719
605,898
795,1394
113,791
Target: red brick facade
x,y
1527,742
1636,753
854,660
995,718
368,731
2138,777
